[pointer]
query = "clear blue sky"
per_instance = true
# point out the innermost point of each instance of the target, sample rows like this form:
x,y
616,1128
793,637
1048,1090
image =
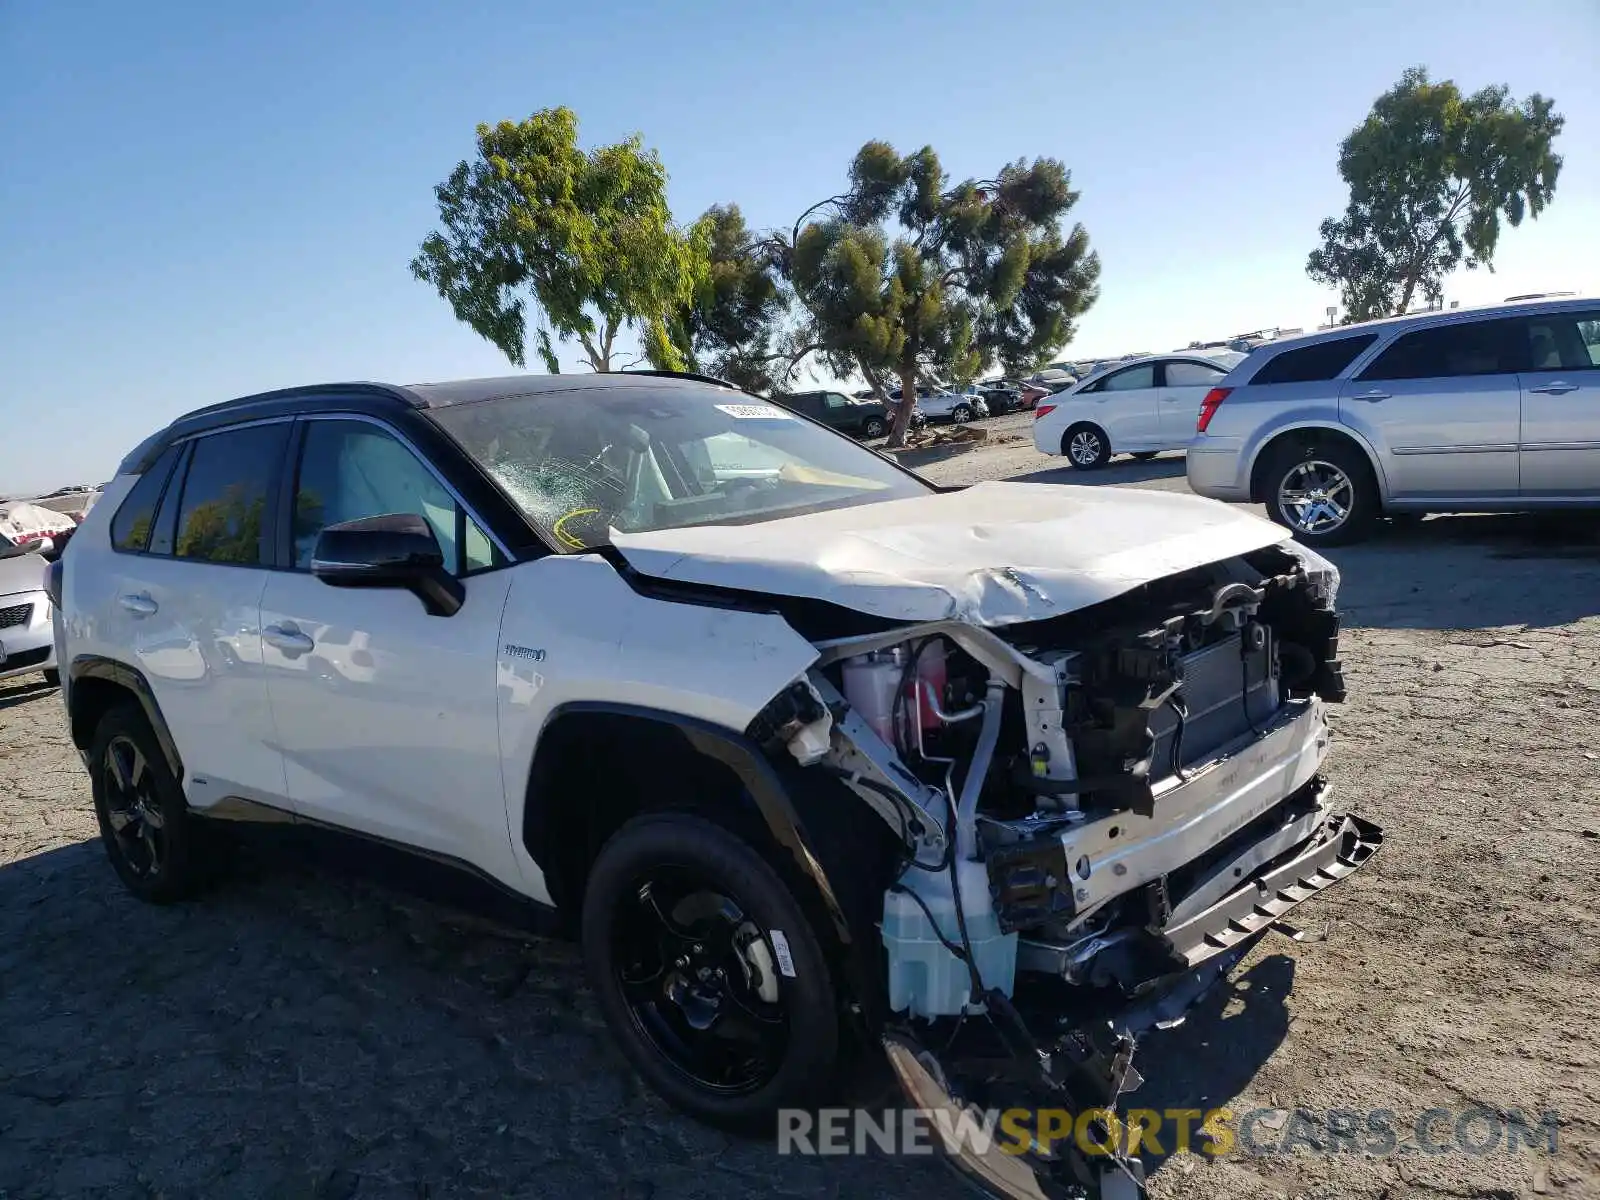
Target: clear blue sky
x,y
201,200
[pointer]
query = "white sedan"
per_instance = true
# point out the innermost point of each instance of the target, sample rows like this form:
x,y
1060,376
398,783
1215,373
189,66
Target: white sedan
x,y
1140,407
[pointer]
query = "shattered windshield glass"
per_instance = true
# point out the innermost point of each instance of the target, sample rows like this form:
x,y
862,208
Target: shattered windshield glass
x,y
585,461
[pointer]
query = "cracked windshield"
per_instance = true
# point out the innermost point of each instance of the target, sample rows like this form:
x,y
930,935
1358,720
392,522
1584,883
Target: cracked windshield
x,y
638,459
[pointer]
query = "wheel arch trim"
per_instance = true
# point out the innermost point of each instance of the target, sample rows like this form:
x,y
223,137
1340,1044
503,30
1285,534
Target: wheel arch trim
x,y
1315,425
1094,427
132,680
749,765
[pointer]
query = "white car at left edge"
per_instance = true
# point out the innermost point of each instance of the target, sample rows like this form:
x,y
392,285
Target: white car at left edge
x,y
27,635
1140,407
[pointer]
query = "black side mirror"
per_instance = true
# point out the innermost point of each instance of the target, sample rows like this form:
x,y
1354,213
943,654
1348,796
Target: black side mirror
x,y
397,550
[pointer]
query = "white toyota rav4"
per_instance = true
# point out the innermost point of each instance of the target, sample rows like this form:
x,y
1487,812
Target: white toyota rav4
x,y
809,753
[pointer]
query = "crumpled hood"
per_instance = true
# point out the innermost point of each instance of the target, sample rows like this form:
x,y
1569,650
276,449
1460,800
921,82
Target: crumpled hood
x,y
992,554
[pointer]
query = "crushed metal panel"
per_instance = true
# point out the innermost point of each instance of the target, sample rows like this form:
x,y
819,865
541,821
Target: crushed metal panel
x,y
993,554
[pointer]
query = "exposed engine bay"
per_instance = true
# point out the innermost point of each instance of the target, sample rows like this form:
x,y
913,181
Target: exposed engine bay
x,y
1101,812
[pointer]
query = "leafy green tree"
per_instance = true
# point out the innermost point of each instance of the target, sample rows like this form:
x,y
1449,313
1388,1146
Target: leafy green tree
x,y
1431,173
583,238
733,325
904,275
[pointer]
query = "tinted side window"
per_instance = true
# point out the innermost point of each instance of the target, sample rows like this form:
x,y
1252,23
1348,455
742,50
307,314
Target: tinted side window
x,y
1189,374
1445,351
166,530
1589,330
835,400
1309,364
1564,342
130,528
1130,380
350,469
223,513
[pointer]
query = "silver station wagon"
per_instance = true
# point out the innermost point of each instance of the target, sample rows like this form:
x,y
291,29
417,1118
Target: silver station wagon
x,y
1478,410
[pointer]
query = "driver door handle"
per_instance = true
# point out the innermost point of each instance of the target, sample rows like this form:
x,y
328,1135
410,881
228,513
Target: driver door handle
x,y
288,639
1372,396
1556,387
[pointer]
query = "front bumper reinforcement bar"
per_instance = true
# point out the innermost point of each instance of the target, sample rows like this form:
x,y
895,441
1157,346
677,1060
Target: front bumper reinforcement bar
x,y
1088,1067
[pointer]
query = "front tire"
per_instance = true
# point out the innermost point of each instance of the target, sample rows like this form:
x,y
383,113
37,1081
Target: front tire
x,y
961,414
145,823
1324,491
708,973
1086,447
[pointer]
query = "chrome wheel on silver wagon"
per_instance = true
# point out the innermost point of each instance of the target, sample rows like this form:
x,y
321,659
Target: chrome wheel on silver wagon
x,y
1316,497
1323,490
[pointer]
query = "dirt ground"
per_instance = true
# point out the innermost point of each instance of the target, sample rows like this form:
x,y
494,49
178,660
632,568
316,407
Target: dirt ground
x,y
305,1034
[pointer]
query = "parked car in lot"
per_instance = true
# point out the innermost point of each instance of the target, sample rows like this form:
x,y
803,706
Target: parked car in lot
x,y
1140,408
1000,396
1055,381
27,642
937,404
810,755
1476,410
1031,393
858,418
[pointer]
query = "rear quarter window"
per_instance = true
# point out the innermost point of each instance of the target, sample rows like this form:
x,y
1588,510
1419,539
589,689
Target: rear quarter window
x,y
1311,364
130,527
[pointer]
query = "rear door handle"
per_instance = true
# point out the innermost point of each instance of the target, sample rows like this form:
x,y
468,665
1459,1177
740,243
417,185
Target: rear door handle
x,y
288,639
139,604
1556,387
1371,397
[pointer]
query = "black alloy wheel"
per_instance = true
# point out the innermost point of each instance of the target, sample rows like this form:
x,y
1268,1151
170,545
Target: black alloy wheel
x,y
133,811
145,824
709,973
700,980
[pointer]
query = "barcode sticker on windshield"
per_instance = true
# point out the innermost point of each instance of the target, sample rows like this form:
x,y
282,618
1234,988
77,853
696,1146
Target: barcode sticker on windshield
x,y
764,412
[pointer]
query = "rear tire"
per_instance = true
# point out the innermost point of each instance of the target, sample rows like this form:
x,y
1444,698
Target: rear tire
x,y
1086,447
873,428
682,1008
145,824
1324,491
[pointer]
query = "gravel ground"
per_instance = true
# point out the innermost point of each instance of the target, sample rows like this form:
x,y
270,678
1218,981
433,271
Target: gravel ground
x,y
306,1034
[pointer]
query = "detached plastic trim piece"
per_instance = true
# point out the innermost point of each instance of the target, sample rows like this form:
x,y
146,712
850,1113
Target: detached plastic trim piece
x,y
1344,846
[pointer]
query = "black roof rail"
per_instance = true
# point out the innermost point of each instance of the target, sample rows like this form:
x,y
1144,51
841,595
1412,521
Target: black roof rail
x,y
695,375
